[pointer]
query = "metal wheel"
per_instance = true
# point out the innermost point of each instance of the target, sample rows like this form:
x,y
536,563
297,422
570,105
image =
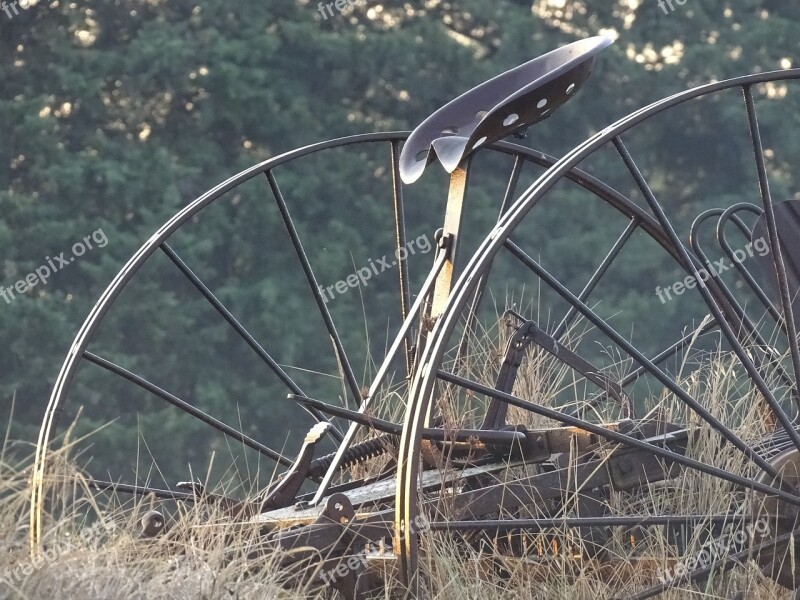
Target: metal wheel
x,y
160,263
545,384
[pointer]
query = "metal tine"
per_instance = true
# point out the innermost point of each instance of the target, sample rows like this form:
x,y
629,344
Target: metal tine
x,y
722,238
751,332
716,311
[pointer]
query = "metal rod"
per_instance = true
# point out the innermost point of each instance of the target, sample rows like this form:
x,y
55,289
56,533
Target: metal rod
x,y
616,436
188,408
595,278
138,490
542,524
401,239
472,311
730,215
343,361
436,434
240,329
772,234
745,323
427,286
667,353
665,380
724,326
705,572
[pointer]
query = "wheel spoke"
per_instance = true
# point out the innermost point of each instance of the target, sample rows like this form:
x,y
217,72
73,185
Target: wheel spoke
x,y
341,356
665,380
772,232
240,329
595,278
188,408
748,484
668,352
724,326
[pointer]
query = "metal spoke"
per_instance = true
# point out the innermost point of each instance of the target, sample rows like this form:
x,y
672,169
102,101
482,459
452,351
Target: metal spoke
x,y
497,525
401,242
667,353
724,326
665,380
772,231
341,356
598,274
744,482
477,298
188,408
240,329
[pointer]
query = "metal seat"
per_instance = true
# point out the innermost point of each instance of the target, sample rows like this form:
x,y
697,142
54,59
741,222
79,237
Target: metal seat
x,y
499,107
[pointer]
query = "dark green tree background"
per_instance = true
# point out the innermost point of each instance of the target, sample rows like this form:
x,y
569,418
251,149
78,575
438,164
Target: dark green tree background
x,y
114,114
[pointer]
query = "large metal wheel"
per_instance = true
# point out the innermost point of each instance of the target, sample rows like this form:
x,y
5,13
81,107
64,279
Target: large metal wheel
x,y
548,378
374,159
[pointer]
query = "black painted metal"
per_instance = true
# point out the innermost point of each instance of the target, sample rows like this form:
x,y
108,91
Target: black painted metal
x,y
772,232
497,525
640,358
601,270
341,355
137,490
188,408
241,330
424,382
714,307
746,331
615,436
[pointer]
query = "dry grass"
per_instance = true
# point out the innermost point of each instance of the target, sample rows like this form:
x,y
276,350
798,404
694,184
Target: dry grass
x,y
92,547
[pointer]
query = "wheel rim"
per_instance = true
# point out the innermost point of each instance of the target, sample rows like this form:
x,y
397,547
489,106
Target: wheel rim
x,y
424,385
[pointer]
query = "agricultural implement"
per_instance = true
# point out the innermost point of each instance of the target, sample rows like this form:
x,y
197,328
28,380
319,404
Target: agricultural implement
x,y
527,446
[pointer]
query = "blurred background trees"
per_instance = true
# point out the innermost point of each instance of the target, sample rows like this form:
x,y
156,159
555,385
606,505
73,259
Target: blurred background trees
x,y
114,114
